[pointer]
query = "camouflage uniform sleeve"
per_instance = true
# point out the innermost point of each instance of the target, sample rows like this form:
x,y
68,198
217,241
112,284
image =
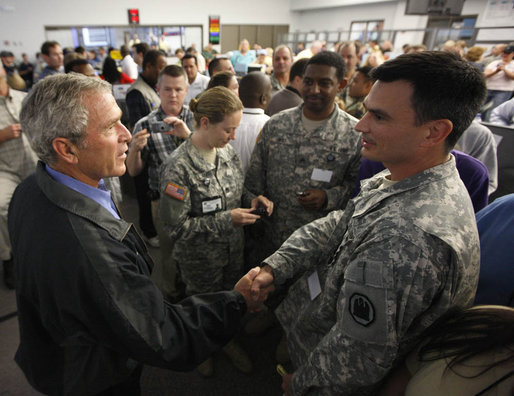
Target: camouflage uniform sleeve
x,y
395,282
338,196
255,179
176,214
303,248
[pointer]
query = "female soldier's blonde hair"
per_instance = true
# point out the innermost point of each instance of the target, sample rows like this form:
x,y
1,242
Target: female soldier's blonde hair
x,y
215,104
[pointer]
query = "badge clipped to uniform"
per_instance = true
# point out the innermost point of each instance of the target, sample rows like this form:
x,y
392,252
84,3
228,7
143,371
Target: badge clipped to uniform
x,y
211,205
322,175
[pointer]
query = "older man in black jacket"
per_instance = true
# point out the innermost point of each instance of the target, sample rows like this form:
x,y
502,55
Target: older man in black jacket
x,y
89,314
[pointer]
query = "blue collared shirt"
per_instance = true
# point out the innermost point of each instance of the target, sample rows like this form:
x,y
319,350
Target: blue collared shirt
x,y
100,195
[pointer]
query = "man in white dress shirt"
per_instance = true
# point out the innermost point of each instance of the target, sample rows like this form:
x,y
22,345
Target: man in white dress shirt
x,y
255,93
197,83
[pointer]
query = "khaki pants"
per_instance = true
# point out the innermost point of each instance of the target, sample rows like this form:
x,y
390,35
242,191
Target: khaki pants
x,y
8,183
164,273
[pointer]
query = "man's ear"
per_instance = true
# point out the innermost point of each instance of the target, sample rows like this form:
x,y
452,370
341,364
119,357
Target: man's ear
x,y
438,130
65,150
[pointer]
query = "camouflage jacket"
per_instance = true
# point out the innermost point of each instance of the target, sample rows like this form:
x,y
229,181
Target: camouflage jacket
x,y
275,84
159,145
284,161
389,265
196,199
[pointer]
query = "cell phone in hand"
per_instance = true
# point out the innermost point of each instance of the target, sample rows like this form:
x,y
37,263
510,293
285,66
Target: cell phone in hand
x,y
160,127
260,211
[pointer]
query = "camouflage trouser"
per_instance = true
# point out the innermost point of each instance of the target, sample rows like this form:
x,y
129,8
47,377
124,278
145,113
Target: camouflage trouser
x,y
165,272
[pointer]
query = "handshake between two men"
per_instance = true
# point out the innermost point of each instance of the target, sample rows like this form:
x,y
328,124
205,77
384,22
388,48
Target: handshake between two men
x,y
255,287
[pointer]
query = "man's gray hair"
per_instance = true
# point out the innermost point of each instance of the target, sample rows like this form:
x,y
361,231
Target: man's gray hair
x,y
283,46
55,108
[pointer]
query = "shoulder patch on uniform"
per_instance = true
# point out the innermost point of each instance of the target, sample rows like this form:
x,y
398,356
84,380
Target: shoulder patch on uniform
x,y
175,191
361,309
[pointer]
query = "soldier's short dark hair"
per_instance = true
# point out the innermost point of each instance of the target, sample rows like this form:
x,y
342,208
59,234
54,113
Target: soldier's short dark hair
x,y
298,69
45,48
329,58
445,86
365,71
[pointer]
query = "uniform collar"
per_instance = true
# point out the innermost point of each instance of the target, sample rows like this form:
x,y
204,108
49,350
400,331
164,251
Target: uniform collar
x,y
373,195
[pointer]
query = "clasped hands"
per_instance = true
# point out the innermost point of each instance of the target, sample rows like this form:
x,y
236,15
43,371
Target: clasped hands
x,y
255,287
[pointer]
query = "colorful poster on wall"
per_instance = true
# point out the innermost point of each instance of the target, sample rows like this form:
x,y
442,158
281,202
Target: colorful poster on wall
x,y
214,29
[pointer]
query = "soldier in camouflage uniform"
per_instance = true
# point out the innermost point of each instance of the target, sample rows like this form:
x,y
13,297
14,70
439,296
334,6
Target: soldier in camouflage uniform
x,y
312,149
208,248
282,62
406,249
358,89
201,189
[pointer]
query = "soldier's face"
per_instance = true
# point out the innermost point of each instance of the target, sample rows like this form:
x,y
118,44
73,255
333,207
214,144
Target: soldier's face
x,y
359,85
282,61
389,131
319,88
219,134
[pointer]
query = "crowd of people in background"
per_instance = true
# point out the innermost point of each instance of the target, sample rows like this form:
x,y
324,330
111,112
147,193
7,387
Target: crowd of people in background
x,y
274,158
122,66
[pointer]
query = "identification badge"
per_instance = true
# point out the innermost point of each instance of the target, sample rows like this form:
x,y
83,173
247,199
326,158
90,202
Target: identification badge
x,y
211,205
322,175
314,286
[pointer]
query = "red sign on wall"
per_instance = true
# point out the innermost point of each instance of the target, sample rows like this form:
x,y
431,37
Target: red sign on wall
x,y
133,16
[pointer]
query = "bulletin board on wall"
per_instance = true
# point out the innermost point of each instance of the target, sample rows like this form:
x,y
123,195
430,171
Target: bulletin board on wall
x,y
496,23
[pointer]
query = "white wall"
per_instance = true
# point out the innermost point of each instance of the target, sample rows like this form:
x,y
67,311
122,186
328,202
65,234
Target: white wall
x,y
336,15
22,22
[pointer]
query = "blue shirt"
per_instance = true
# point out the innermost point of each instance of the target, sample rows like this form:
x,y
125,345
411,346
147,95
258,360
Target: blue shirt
x,y
100,195
496,229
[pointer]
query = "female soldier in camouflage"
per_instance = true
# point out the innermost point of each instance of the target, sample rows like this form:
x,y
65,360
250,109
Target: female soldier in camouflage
x,y
201,189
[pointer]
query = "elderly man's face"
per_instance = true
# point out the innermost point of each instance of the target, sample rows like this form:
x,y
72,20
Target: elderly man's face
x,y
282,61
349,55
103,154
